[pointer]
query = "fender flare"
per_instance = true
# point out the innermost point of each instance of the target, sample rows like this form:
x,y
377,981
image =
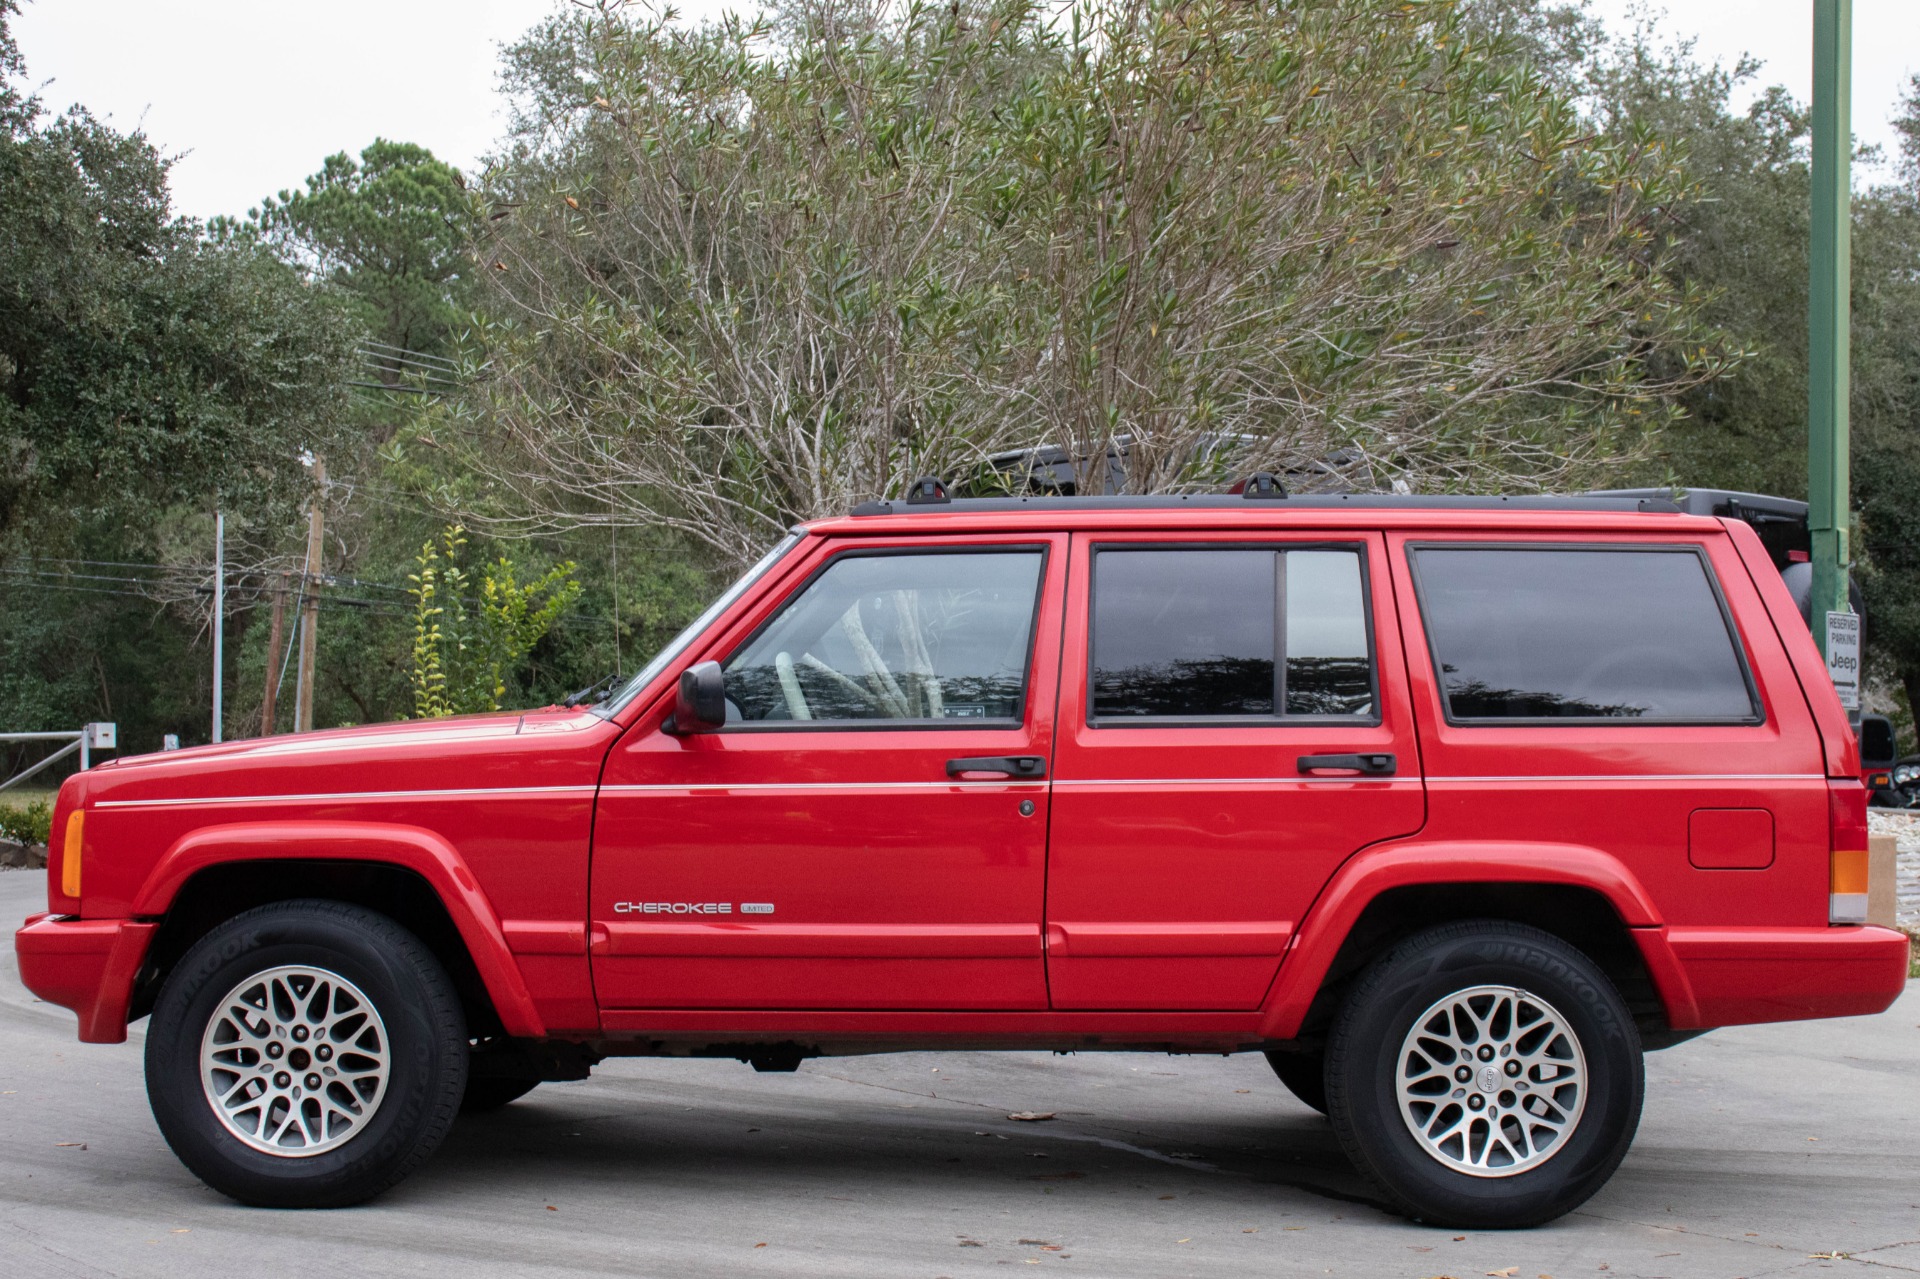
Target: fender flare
x,y
412,848
1365,877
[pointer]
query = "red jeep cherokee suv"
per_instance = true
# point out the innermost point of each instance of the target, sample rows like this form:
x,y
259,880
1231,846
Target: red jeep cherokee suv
x,y
1452,807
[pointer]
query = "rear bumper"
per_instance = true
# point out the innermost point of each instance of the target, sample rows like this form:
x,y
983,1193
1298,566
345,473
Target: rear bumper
x,y
87,965
1740,975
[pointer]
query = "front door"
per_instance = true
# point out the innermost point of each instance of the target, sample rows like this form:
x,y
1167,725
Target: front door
x,y
869,829
1234,725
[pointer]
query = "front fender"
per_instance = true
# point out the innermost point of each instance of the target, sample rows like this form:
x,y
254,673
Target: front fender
x,y
1366,876
412,848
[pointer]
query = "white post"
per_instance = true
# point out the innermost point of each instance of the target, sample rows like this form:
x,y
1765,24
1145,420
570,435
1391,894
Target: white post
x,y
219,612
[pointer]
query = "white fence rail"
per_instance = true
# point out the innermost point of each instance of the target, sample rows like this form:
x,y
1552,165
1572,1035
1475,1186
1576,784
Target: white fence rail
x,y
86,740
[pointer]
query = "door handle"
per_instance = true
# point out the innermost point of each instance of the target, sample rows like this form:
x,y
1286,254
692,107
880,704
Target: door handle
x,y
1030,767
1378,765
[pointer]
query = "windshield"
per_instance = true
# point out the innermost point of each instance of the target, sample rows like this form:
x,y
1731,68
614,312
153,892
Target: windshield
x,y
678,644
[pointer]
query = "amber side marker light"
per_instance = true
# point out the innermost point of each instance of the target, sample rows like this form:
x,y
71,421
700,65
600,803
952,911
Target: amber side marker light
x,y
73,842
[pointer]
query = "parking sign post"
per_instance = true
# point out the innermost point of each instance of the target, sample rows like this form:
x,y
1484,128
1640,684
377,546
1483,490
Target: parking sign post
x,y
1829,356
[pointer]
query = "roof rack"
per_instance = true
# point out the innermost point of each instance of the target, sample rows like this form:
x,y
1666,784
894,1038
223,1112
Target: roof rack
x,y
1257,495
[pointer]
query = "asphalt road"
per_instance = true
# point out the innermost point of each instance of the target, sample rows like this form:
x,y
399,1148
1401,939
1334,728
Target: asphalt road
x,y
1761,1147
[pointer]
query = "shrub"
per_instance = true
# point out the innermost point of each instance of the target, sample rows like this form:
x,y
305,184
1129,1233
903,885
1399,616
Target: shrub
x,y
28,823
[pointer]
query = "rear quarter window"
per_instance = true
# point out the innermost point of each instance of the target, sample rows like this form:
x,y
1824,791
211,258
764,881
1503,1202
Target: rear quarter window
x,y
1594,634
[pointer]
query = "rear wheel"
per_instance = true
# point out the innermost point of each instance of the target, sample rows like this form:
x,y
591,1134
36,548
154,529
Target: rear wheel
x,y
1485,1075
306,1054
1304,1074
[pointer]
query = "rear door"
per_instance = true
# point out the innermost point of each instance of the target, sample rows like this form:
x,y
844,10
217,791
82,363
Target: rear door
x,y
1234,725
868,831
1623,692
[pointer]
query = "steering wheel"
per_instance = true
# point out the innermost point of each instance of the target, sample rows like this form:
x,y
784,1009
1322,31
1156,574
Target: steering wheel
x,y
790,686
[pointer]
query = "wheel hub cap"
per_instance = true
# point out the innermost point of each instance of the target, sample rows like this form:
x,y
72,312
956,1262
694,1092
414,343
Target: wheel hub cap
x,y
295,1061
1491,1081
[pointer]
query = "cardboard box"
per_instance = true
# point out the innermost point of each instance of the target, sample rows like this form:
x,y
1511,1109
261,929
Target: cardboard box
x,y
1883,855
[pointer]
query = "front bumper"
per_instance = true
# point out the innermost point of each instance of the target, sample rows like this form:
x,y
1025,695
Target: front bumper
x,y
1743,975
87,965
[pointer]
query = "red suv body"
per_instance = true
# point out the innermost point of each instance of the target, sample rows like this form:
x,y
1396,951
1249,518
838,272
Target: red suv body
x,y
1208,775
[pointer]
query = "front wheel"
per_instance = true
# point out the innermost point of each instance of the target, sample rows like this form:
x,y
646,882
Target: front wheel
x,y
1485,1075
306,1054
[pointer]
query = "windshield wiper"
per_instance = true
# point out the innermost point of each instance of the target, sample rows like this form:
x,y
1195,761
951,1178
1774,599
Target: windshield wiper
x,y
594,693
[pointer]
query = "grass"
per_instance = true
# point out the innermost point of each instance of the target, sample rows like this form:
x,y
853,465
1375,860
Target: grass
x,y
25,796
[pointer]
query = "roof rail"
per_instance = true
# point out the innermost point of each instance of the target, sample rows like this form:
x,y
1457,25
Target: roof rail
x,y
943,505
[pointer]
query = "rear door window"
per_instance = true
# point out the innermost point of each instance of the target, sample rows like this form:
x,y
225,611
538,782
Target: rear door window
x,y
1587,633
1218,632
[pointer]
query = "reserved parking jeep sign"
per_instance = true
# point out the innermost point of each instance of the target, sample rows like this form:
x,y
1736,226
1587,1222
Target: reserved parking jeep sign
x,y
1843,657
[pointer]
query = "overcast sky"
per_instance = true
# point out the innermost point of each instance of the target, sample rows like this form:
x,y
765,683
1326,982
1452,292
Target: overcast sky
x,y
252,94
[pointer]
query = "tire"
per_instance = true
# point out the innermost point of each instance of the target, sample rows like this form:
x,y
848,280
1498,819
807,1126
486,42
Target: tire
x,y
333,988
1304,1074
1536,996
485,1093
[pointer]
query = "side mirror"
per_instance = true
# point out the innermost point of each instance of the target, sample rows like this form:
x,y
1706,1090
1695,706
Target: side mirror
x,y
1878,747
702,701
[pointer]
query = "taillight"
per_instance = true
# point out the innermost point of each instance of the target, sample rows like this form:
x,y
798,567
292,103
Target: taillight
x,y
1847,808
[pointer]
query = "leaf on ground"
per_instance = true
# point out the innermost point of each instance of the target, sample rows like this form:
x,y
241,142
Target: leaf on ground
x,y
759,1245
1508,1273
1031,1116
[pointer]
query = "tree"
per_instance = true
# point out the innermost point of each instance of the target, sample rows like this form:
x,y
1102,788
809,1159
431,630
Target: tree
x,y
393,231
148,373
738,281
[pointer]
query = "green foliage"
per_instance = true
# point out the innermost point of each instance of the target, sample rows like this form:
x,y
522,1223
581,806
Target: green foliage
x,y
141,364
464,649
393,232
758,270
27,823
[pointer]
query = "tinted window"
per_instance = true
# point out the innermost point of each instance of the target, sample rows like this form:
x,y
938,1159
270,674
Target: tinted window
x,y
896,637
1327,668
1217,631
1558,633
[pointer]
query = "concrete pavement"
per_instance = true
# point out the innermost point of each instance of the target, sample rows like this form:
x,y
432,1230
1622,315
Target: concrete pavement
x,y
1761,1147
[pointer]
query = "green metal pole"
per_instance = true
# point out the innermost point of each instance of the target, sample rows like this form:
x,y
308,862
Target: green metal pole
x,y
1829,366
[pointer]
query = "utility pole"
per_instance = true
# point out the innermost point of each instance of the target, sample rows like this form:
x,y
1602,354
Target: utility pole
x,y
219,615
271,695
1829,363
310,601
